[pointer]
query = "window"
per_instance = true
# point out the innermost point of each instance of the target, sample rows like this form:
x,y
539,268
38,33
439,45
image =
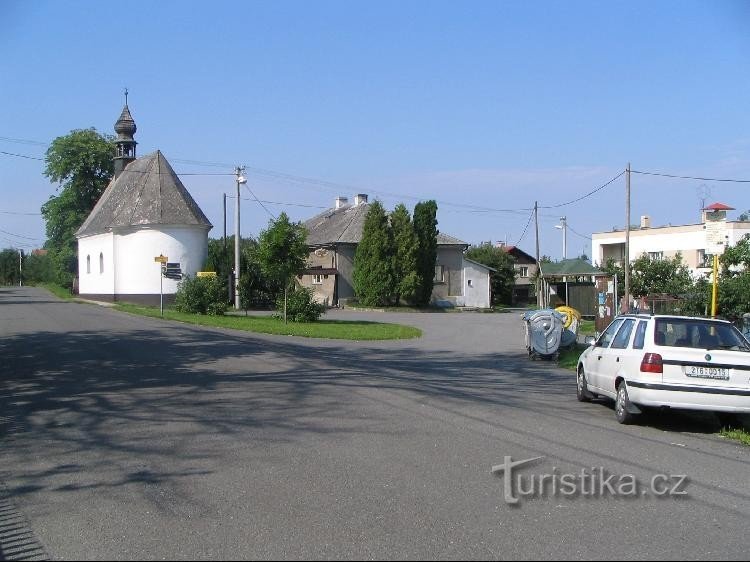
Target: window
x,y
656,256
640,335
101,263
88,264
609,334
439,274
623,335
317,280
470,285
704,259
523,271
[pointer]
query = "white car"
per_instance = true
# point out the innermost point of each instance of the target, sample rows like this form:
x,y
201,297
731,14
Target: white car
x,y
667,362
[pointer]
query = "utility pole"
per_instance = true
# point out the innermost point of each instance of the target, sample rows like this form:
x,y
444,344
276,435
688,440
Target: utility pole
x,y
539,280
564,228
627,239
20,268
240,180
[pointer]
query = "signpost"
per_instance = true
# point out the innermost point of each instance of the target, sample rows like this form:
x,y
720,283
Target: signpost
x,y
716,229
160,259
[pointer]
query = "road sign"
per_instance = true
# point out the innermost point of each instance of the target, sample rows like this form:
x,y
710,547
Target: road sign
x,y
171,270
161,259
716,237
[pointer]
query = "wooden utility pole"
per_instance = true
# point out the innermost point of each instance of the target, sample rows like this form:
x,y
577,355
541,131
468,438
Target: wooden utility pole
x,y
539,280
627,239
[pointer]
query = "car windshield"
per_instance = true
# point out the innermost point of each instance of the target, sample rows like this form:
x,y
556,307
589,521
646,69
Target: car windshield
x,y
698,334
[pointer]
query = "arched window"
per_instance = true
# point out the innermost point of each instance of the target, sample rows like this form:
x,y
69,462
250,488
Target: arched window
x,y
101,263
88,264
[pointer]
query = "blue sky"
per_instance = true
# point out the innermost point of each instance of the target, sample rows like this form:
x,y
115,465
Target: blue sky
x,y
492,105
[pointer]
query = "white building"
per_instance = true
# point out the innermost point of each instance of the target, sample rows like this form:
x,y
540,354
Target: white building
x,y
666,242
144,212
476,285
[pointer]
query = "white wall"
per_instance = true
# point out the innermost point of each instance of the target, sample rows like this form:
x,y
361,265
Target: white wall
x,y
93,281
136,248
478,294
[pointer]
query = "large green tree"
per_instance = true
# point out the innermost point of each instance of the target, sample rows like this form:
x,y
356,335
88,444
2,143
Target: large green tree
x,y
9,267
405,257
282,252
374,281
81,162
503,279
649,276
425,227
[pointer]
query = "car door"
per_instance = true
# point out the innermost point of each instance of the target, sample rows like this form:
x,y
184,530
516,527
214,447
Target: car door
x,y
613,362
593,366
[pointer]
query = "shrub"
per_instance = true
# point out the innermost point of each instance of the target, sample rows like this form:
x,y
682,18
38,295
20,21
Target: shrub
x,y
201,295
300,306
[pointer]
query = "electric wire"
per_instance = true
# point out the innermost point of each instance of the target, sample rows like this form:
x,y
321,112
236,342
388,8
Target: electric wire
x,y
675,176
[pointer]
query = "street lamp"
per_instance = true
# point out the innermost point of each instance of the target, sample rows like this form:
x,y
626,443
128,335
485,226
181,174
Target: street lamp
x,y
240,181
564,228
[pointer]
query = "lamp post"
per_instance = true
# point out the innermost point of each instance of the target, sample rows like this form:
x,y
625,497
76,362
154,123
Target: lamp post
x,y
564,228
240,180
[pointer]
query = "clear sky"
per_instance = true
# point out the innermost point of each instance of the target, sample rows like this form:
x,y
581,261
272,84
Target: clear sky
x,y
483,106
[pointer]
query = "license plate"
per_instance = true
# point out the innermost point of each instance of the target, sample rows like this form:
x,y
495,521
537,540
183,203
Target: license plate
x,y
713,373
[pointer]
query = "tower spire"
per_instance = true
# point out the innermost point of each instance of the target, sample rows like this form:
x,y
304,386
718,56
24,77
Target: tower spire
x,y
124,143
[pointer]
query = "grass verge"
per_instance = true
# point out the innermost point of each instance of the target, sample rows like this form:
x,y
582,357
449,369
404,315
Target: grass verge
x,y
736,435
568,358
329,329
58,290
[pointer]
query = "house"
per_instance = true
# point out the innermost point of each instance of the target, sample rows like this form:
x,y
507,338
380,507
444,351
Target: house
x,y
526,267
145,212
333,236
667,241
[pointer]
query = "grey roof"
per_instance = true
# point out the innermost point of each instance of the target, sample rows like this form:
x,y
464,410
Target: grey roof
x,y
147,192
569,267
345,226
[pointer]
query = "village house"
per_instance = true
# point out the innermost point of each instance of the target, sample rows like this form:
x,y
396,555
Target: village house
x,y
333,236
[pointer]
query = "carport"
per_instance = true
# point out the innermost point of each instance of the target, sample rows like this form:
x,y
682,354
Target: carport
x,y
570,282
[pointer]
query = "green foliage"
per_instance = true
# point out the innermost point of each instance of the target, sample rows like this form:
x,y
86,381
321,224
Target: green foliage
x,y
82,163
9,267
282,251
38,269
301,306
656,276
425,227
736,259
374,281
405,258
503,280
201,295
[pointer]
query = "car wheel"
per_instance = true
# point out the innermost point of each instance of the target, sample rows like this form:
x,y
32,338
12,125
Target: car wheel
x,y
728,420
582,390
622,404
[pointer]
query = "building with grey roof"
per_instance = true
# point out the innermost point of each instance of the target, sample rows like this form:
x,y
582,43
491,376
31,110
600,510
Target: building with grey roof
x,y
333,236
144,213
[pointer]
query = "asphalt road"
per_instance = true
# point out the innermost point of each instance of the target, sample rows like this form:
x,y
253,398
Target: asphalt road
x,y
124,437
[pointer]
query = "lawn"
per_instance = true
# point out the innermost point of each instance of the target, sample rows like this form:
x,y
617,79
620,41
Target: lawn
x,y
329,329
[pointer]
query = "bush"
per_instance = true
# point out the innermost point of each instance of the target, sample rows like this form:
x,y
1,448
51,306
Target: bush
x,y
201,295
300,306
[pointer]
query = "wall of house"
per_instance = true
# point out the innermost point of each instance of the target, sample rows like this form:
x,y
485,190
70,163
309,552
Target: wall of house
x,y
92,279
136,247
476,284
689,240
451,258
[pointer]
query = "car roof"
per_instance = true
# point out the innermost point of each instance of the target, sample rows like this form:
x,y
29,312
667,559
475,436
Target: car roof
x,y
643,316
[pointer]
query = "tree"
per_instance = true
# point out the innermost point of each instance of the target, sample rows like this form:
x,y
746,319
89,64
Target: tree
x,y
503,279
425,228
656,276
282,251
9,267
405,258
374,280
82,163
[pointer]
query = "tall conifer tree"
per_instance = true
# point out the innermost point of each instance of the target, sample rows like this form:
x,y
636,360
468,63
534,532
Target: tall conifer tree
x,y
373,261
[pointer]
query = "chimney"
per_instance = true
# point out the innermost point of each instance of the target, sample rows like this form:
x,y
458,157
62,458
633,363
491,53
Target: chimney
x,y
341,201
360,199
645,221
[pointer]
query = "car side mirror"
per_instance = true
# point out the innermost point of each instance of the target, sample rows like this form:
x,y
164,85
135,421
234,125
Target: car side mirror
x,y
590,340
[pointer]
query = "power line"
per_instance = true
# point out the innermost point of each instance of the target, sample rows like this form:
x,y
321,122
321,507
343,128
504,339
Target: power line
x,y
578,234
259,202
21,156
19,213
589,194
531,216
687,177
19,236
